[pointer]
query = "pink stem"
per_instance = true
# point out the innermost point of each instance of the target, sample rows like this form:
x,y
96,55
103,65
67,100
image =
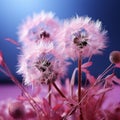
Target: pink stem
x,y
30,99
105,71
59,91
79,78
49,90
79,83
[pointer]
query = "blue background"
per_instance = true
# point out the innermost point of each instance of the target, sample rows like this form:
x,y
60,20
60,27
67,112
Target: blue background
x,y
13,12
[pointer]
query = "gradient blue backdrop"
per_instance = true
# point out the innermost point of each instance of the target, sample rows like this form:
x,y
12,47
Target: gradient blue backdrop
x,y
12,12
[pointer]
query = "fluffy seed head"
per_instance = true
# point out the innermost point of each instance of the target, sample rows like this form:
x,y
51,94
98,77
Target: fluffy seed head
x,y
41,64
81,34
43,26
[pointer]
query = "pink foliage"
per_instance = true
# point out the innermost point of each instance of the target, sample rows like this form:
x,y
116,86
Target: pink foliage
x,y
1,59
12,41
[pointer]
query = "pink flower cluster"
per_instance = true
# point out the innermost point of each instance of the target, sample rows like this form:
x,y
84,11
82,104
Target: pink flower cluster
x,y
42,59
47,44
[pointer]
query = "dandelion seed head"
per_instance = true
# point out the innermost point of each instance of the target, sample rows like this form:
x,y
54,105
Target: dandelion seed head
x,y
81,34
43,26
42,51
41,64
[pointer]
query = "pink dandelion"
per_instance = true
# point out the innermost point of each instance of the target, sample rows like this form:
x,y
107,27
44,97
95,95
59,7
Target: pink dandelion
x,y
83,38
42,59
43,26
41,64
83,35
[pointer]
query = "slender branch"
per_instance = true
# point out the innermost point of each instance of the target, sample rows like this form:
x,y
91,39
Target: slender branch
x,y
73,82
59,91
49,90
105,71
27,95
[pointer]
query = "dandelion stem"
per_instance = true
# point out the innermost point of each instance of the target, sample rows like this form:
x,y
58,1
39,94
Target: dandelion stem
x,y
49,90
59,91
79,83
79,78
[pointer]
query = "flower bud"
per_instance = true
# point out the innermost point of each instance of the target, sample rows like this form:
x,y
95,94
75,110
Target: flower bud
x,y
17,110
114,57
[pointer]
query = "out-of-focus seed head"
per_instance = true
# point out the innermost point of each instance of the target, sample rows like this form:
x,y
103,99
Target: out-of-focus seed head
x,y
17,110
114,57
